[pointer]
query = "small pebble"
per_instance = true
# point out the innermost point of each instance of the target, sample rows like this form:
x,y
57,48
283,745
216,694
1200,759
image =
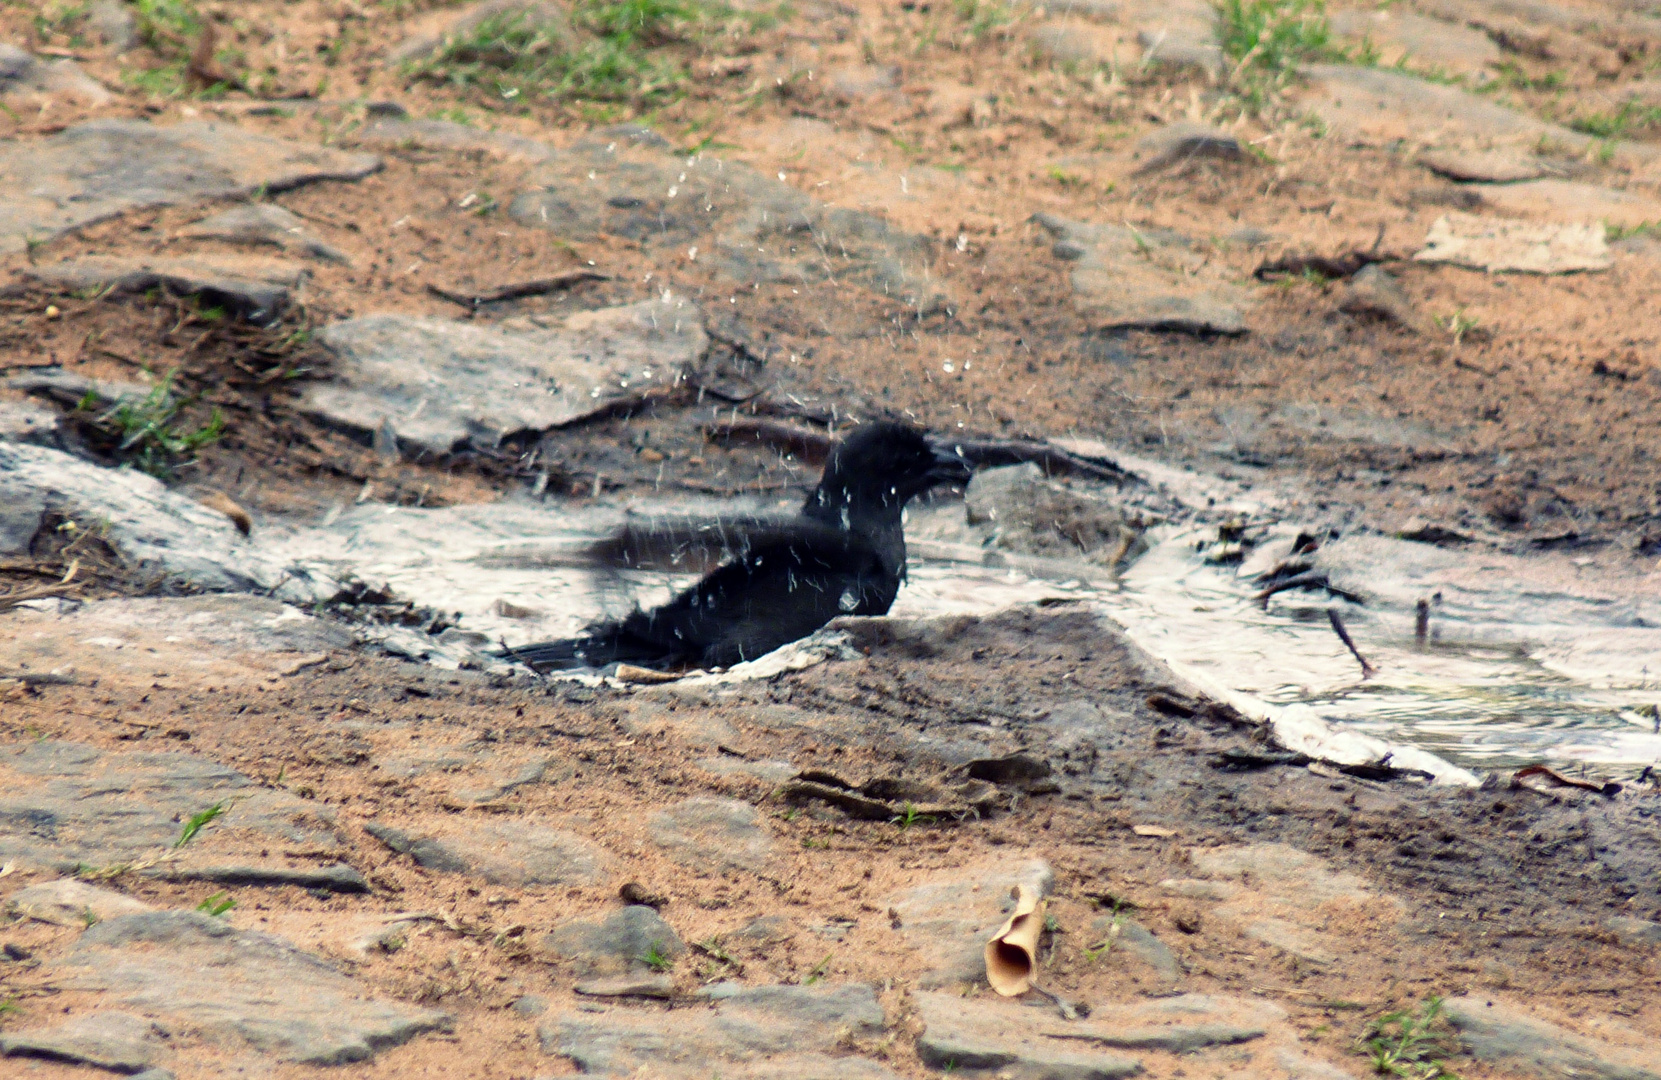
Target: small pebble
x,y
52,311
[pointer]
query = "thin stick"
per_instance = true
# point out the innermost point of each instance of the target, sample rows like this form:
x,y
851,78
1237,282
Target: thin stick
x,y
1337,620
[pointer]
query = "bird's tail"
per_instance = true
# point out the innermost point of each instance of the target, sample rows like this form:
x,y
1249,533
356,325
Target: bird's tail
x,y
598,647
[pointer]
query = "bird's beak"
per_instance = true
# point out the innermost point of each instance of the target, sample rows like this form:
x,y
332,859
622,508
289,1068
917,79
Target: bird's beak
x,y
950,466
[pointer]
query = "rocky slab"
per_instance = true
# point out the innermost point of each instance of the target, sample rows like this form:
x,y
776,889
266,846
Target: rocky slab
x,y
26,80
96,170
777,1032
1032,514
1153,279
264,992
982,1033
117,1041
402,133
1490,166
1499,1034
713,834
1401,37
159,530
750,227
1381,106
1515,246
72,902
64,805
1568,201
265,224
438,386
524,853
949,918
257,289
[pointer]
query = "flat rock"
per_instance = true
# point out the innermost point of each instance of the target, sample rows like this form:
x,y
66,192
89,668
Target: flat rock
x,y
981,1033
268,224
1380,106
1634,931
1180,143
22,422
72,902
1515,246
1402,37
1291,939
101,168
948,919
1571,201
1374,292
107,1040
338,878
439,30
618,942
713,833
256,289
784,1032
1072,42
442,385
864,82
750,227
1491,166
71,389
1180,33
1502,1035
159,531
520,853
399,133
264,992
1138,942
26,79
1153,279
636,985
66,804
1282,871
1030,513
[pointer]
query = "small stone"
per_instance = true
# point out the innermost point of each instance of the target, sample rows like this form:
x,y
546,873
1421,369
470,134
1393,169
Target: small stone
x,y
530,1005
107,1040
765,930
1181,143
1292,940
22,422
713,833
650,986
1139,942
72,902
617,943
1373,292
400,133
329,879
1199,890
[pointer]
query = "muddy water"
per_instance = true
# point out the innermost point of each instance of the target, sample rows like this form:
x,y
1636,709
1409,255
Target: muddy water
x,y
1526,660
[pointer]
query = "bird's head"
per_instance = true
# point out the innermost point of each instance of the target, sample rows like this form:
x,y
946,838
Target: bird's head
x,y
878,468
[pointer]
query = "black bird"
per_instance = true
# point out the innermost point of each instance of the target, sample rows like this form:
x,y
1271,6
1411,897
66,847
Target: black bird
x,y
844,554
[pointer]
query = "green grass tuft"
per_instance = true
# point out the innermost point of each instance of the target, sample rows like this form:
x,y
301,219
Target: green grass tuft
x,y
147,437
196,821
217,905
1265,41
1409,1043
656,959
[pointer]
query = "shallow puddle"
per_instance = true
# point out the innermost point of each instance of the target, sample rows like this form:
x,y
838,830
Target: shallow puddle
x,y
1524,661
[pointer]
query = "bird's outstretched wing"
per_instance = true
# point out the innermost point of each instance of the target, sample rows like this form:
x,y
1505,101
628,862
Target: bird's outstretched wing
x,y
782,588
675,545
